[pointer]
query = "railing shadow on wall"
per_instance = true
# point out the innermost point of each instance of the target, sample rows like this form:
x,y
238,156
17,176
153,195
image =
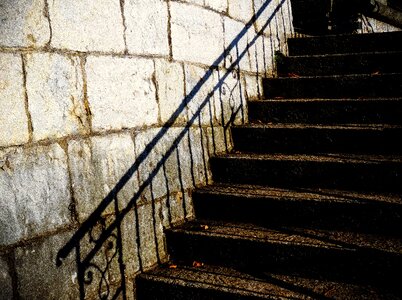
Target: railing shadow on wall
x,y
98,243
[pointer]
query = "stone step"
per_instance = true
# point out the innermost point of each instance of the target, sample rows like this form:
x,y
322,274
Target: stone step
x,y
215,282
327,111
334,171
348,43
346,86
338,64
334,255
307,208
307,139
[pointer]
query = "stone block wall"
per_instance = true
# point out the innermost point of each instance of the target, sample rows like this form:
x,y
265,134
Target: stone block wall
x,y
370,25
109,111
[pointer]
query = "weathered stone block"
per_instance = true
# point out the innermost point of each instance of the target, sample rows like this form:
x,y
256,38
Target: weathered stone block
x,y
148,241
165,179
253,87
107,258
197,34
198,163
13,117
234,36
35,191
23,23
97,165
261,55
230,108
182,166
87,25
275,20
267,14
201,105
173,208
219,5
216,140
121,92
55,95
38,275
241,9
146,22
5,280
170,82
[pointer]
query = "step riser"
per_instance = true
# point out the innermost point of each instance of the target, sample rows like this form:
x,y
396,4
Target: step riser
x,y
333,87
361,216
327,112
338,65
315,174
350,264
311,140
384,42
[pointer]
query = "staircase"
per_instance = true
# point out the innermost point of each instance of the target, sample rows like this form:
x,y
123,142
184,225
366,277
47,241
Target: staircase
x,y
308,205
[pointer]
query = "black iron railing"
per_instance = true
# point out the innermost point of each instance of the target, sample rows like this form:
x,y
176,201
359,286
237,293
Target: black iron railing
x,y
98,242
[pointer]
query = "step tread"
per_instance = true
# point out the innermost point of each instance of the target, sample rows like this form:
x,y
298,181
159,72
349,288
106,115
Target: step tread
x,y
340,55
370,127
265,285
328,157
327,100
295,236
336,64
343,77
346,43
299,194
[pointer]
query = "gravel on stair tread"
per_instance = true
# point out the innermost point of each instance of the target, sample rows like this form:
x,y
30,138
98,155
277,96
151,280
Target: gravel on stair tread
x,y
295,236
308,194
378,127
328,157
263,285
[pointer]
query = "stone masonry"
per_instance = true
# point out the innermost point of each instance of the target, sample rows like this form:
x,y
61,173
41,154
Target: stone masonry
x,y
90,88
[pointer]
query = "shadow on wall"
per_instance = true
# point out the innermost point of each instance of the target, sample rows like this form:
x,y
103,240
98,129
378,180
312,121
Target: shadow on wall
x,y
102,256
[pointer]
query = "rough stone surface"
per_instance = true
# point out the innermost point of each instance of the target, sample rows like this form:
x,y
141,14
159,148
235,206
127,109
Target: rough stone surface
x,y
146,22
193,29
38,275
230,103
35,192
276,22
148,248
233,29
241,9
97,164
130,247
55,95
372,25
216,140
201,105
179,171
121,92
172,208
23,23
87,25
260,55
5,280
170,82
199,2
198,164
13,118
165,180
219,5
107,257
253,87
